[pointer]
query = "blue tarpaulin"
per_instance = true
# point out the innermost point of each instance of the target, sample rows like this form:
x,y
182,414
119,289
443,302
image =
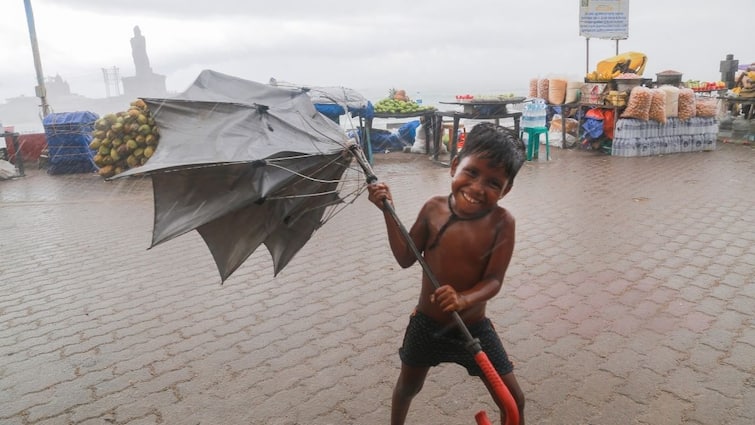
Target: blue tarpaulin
x,y
593,127
68,136
334,110
408,131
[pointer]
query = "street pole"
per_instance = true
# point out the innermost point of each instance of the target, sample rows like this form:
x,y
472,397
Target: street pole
x,y
40,90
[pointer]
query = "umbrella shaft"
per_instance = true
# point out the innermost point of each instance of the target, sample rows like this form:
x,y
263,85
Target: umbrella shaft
x,y
472,343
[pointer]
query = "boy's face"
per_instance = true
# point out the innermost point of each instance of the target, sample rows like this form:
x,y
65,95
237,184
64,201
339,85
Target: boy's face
x,y
476,186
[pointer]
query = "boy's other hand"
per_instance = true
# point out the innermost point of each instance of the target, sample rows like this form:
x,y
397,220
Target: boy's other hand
x,y
379,192
448,299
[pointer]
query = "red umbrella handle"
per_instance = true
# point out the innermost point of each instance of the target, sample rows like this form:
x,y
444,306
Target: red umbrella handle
x,y
482,418
499,388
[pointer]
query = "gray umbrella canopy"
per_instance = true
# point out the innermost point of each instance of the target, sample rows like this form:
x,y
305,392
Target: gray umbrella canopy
x,y
244,164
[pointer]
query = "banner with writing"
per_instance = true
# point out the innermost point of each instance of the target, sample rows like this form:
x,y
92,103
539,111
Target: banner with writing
x,y
607,19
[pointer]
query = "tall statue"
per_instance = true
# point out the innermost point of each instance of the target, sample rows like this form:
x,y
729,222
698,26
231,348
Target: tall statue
x,y
139,52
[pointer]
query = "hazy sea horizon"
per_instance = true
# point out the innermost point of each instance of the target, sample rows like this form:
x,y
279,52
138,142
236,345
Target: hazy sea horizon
x,y
25,122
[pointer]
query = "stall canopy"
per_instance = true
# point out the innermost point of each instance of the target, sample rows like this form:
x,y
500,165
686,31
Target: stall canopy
x,y
333,101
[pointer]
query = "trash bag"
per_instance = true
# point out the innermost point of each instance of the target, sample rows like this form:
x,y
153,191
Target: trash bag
x,y
593,127
385,141
595,113
408,132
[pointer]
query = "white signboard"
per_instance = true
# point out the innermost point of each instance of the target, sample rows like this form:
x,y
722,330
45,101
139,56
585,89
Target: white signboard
x,y
604,19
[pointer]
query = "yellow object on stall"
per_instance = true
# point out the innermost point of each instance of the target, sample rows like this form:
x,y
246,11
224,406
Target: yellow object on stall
x,y
628,62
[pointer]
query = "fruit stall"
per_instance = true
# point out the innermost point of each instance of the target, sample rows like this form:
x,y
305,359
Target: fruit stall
x,y
620,112
397,105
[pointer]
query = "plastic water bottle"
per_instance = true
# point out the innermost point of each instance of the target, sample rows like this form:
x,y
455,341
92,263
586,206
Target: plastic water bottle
x,y
418,99
541,114
534,114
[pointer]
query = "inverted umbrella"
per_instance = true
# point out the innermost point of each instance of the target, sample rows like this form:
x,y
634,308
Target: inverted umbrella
x,y
244,164
247,164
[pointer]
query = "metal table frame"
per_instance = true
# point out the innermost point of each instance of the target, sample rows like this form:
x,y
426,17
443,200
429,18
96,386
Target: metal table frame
x,y
429,115
500,111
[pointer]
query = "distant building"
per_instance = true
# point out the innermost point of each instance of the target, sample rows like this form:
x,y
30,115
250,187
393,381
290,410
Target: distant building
x,y
24,113
56,87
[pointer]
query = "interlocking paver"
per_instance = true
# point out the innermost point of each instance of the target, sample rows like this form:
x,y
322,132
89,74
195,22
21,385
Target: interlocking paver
x,y
629,300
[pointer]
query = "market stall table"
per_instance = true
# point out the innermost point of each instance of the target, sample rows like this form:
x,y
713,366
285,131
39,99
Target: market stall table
x,y
477,110
585,106
428,114
736,100
565,110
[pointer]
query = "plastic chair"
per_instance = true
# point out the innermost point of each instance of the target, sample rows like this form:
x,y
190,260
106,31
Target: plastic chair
x,y
533,141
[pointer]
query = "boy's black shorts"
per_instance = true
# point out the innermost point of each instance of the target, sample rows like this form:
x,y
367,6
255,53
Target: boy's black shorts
x,y
429,343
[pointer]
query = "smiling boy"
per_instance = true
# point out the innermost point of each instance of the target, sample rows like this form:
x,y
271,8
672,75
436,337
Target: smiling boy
x,y
467,240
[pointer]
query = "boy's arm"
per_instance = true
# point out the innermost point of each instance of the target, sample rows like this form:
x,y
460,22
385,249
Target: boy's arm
x,y
492,278
401,251
380,193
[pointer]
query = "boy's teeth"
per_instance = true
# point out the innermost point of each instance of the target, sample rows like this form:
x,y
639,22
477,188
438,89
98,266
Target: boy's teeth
x,y
470,200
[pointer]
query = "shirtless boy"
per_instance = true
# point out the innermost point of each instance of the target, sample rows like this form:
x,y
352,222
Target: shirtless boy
x,y
467,240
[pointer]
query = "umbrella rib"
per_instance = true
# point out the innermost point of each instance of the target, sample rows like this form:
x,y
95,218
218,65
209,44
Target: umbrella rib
x,y
302,195
304,176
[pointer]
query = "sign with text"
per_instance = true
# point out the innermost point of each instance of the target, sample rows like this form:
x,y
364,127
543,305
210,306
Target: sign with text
x,y
604,19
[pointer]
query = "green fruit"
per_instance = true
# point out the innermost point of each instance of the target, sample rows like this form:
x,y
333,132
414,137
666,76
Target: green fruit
x,y
122,150
132,161
107,171
95,144
101,124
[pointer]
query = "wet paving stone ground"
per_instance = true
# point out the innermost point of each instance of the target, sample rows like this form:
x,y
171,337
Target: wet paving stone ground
x,y
629,300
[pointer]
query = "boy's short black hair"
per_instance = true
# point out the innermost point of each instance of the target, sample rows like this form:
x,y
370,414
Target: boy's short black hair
x,y
500,145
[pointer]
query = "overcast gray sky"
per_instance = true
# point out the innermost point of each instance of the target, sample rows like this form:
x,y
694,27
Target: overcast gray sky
x,y
471,46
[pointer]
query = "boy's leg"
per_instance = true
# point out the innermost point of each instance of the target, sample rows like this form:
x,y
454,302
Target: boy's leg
x,y
409,384
513,386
